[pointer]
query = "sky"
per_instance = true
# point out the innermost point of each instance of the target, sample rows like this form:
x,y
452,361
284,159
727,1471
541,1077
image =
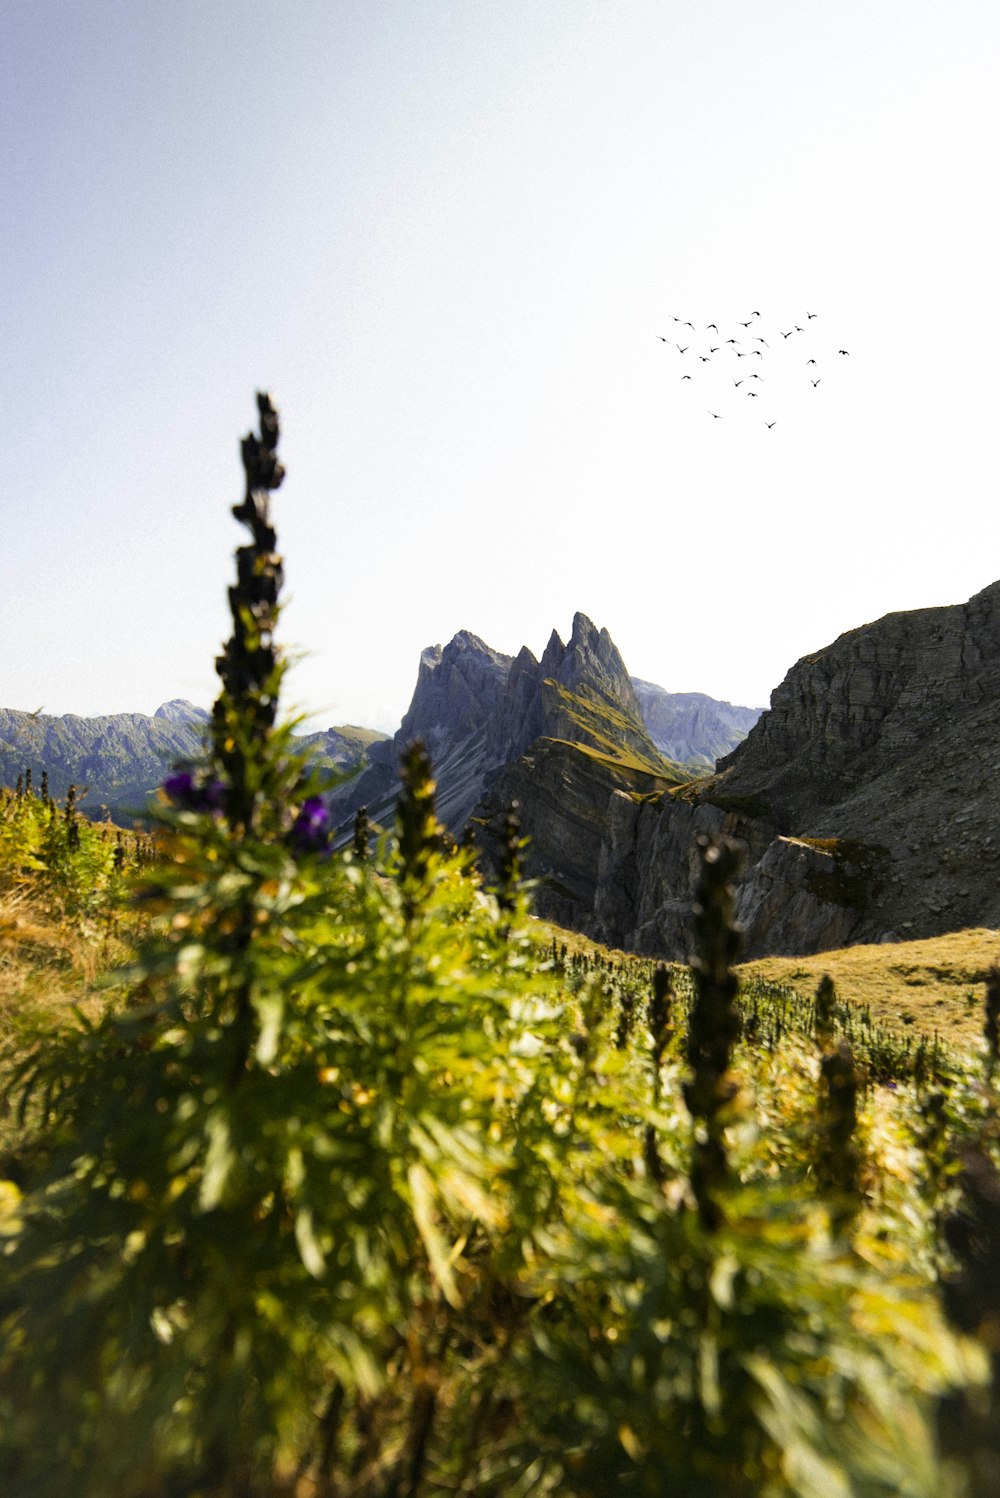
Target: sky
x,y
450,237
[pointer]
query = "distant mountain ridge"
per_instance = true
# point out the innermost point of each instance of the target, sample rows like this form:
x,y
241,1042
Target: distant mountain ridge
x,y
690,727
118,760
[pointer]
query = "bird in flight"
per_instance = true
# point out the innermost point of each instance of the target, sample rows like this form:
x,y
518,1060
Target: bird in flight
x,y
716,415
714,350
757,352
843,351
662,339
788,334
732,340
712,325
810,361
682,350
759,339
756,377
689,325
685,377
746,324
752,394
737,383
704,359
816,382
770,424
811,314
798,329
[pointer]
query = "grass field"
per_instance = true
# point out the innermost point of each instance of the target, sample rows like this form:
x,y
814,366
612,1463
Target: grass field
x,y
934,984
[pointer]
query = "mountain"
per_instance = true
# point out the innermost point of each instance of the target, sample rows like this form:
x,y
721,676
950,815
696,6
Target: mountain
x,y
691,728
117,761
867,799
478,712
179,710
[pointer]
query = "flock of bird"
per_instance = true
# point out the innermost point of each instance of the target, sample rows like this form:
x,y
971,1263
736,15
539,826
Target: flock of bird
x,y
711,358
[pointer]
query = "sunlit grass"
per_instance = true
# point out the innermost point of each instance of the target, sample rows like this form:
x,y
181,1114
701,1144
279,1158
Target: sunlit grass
x,y
933,984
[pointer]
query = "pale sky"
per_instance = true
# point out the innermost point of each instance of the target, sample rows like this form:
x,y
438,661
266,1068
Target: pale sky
x,y
448,235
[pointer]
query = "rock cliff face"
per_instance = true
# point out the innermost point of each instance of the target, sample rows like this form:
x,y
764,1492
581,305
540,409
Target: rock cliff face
x,y
875,697
867,798
564,791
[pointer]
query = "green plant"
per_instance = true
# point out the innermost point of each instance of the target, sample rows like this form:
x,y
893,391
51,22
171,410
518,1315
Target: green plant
x,y
363,1184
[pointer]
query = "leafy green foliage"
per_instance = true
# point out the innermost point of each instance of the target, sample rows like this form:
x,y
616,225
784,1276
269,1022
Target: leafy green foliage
x,y
365,1188
71,866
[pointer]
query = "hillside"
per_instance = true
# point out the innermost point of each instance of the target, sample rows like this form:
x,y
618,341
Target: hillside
x,y
118,760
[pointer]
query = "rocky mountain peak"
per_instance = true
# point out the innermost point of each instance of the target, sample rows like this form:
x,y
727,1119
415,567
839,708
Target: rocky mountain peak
x,y
458,687
552,655
477,709
179,710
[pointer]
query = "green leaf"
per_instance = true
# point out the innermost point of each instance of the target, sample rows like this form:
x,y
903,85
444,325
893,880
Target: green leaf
x,y
270,1009
219,1161
422,1198
309,1248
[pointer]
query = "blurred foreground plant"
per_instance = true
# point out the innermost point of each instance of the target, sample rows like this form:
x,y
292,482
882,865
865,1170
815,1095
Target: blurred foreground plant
x,y
366,1194
276,1193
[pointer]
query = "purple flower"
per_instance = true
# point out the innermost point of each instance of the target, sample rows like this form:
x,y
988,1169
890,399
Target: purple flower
x,y
185,792
179,786
311,828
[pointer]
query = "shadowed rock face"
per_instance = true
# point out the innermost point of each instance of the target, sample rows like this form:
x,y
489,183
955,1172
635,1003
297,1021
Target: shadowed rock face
x,y
868,797
869,701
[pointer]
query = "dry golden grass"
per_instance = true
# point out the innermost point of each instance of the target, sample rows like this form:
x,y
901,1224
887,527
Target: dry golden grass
x,y
48,966
934,984
47,963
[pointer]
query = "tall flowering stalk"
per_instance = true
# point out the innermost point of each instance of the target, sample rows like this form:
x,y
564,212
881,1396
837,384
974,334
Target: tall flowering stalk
x,y
659,1014
714,1025
825,1007
839,1161
991,1024
250,667
417,828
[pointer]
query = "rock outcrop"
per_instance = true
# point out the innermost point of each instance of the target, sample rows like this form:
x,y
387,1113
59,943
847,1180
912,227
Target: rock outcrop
x,y
563,791
867,798
864,798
